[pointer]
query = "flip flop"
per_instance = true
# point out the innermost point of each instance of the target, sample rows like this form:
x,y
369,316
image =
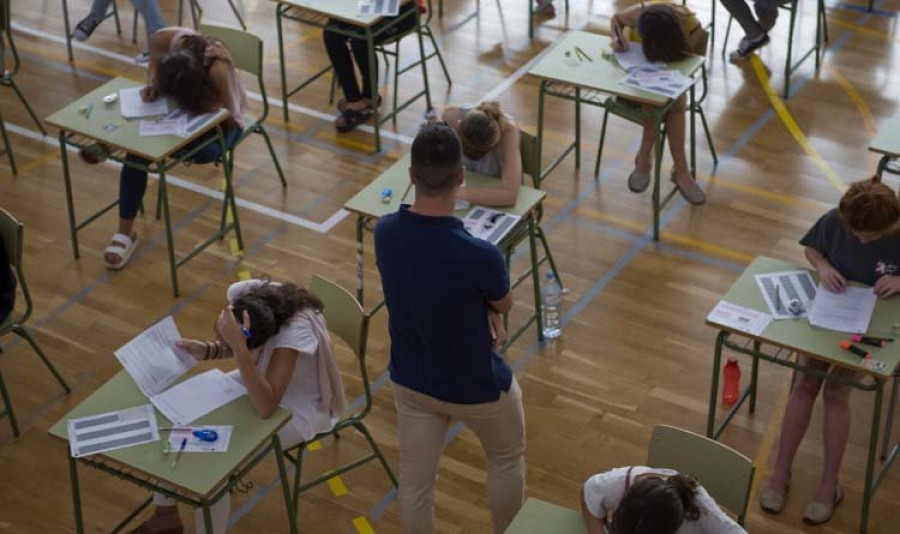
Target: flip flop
x,y
352,119
342,104
123,246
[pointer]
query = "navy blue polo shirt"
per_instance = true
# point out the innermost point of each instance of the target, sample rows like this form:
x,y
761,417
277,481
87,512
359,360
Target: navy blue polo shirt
x,y
437,280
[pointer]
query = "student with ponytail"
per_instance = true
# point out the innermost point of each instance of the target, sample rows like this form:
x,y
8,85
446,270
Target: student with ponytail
x,y
490,143
644,500
278,336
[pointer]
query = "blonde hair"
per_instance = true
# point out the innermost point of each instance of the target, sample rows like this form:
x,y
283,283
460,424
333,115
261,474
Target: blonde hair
x,y
481,128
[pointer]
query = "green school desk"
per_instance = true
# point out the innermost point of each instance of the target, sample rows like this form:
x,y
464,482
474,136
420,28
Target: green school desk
x,y
542,517
317,13
77,130
796,336
589,82
887,143
199,479
368,207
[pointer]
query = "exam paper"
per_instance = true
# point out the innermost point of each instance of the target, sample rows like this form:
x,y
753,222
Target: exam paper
x,y
132,106
388,8
668,83
153,360
197,396
739,318
778,289
195,444
490,225
178,123
634,59
112,430
848,311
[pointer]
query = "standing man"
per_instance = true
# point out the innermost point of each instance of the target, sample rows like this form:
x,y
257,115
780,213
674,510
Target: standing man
x,y
756,29
445,291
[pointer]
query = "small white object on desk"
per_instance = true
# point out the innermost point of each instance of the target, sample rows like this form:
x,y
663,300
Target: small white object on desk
x,y
742,319
780,289
195,444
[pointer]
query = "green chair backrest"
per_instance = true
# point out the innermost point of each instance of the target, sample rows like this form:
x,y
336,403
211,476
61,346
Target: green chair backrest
x,y
528,148
346,319
245,48
725,473
13,234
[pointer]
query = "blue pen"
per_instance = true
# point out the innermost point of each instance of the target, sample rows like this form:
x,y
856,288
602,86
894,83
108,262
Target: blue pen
x,y
245,332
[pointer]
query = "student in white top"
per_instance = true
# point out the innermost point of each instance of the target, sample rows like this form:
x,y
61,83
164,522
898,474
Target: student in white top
x,y
644,500
278,336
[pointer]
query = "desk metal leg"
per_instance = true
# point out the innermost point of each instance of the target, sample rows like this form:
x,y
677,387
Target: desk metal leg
x,y
889,421
714,387
530,19
76,493
67,180
882,163
284,89
285,485
373,76
577,127
693,113
65,7
360,235
170,239
424,60
229,200
207,517
754,376
869,489
658,149
540,135
535,278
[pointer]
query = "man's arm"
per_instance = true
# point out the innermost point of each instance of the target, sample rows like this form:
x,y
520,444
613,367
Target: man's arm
x,y
503,305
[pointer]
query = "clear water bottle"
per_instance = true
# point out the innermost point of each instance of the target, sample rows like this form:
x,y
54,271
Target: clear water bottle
x,y
551,299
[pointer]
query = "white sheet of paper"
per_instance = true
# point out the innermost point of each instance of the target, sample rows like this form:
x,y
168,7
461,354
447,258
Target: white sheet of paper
x,y
197,396
112,430
195,444
668,83
132,106
153,360
162,127
740,318
634,59
488,224
790,285
849,311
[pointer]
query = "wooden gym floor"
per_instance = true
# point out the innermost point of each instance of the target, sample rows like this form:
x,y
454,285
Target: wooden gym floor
x,y
634,353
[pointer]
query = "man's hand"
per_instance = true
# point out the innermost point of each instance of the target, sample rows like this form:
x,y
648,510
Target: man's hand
x,y
832,279
887,286
498,330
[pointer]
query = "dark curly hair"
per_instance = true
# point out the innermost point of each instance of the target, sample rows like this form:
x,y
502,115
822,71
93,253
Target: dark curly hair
x,y
661,35
656,505
270,307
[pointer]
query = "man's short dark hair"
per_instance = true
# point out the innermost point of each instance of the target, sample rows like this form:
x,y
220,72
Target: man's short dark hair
x,y
436,159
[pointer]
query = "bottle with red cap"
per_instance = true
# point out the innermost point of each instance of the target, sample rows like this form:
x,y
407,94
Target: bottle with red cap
x,y
732,388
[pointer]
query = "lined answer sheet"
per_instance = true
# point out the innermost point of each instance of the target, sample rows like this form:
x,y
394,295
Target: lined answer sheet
x,y
197,396
153,360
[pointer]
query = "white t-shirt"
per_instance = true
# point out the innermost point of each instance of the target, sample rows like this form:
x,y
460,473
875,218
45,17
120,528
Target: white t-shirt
x,y
302,396
603,492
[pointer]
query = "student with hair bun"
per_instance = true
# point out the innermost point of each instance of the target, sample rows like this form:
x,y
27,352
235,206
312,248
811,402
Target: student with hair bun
x,y
278,336
644,500
490,144
856,242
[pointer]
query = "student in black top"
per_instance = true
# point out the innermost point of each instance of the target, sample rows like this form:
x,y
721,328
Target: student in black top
x,y
856,242
7,285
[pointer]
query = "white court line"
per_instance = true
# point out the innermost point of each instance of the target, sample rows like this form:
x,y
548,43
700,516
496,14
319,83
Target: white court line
x,y
274,102
322,228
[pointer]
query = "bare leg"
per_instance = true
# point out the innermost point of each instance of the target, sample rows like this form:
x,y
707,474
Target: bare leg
x,y
837,428
675,131
643,161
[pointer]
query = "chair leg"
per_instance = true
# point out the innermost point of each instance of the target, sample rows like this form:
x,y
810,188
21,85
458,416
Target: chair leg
x,y
265,134
115,10
439,55
727,33
889,422
28,107
709,139
543,237
600,146
359,425
134,24
8,147
22,332
237,14
298,468
8,408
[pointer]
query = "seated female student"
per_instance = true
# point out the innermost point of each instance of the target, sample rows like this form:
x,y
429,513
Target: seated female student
x,y
358,105
490,143
667,33
286,360
644,500
7,285
198,73
857,242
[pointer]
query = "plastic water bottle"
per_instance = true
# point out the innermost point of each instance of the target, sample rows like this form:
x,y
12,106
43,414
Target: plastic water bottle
x,y
551,298
732,388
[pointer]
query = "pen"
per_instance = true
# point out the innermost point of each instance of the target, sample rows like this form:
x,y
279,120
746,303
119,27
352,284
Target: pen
x,y
245,332
846,345
582,53
868,340
408,187
89,110
618,35
180,450
777,297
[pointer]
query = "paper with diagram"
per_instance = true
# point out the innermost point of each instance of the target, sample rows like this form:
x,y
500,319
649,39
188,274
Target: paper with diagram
x,y
490,225
112,430
847,311
780,289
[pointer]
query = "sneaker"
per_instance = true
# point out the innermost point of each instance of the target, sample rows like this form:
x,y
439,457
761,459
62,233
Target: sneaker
x,y
766,13
747,46
85,28
142,59
545,7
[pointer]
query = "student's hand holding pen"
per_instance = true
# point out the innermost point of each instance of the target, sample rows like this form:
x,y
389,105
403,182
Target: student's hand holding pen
x,y
619,40
149,93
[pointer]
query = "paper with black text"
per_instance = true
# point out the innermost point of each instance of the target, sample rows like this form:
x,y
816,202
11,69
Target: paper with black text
x,y
197,396
847,311
742,319
153,360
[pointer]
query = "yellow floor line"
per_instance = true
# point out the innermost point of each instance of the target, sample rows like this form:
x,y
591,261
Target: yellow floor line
x,y
337,486
39,162
243,275
859,29
854,95
314,446
761,460
782,198
363,526
709,248
788,120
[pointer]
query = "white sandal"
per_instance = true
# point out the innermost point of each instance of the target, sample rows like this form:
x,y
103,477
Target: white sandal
x,y
122,246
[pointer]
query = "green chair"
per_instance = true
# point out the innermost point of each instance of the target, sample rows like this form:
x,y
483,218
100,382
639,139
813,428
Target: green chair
x,y
247,52
13,233
725,473
8,75
346,319
7,148
633,112
821,34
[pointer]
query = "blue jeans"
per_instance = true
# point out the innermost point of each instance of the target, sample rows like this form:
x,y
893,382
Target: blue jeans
x,y
149,10
133,181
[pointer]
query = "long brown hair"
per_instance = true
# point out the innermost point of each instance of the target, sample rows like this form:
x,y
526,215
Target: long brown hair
x,y
271,306
184,75
661,35
656,505
480,130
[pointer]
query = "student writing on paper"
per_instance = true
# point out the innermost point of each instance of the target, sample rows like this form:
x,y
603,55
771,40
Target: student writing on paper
x,y
490,144
198,73
285,359
645,500
856,242
667,33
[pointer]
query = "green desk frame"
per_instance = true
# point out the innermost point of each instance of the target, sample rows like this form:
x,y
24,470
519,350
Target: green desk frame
x,y
368,207
165,152
317,13
589,83
200,480
790,337
887,143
